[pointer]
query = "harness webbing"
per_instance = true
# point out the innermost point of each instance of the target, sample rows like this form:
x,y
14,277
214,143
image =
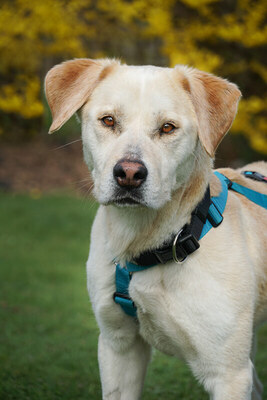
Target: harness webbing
x,y
218,204
256,197
180,245
213,218
121,296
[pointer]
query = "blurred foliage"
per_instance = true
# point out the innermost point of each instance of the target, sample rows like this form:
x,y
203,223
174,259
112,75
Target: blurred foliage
x,y
225,37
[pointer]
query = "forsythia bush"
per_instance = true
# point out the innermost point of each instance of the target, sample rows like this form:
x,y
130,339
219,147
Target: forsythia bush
x,y
225,38
31,31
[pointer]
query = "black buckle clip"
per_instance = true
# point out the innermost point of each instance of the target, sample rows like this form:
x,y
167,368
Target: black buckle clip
x,y
122,296
163,255
255,175
186,245
229,183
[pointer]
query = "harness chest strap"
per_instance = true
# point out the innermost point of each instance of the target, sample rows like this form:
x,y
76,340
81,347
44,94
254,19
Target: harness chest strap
x,y
207,214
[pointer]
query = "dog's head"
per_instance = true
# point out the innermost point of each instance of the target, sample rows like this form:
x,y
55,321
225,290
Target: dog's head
x,y
143,128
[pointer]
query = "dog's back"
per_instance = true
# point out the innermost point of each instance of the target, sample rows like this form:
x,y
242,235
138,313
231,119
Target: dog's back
x,y
236,176
257,230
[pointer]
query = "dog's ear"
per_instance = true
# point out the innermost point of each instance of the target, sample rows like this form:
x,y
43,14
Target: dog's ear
x,y
69,85
215,101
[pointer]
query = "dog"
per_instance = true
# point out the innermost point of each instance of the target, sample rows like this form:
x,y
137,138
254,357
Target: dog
x,y
149,139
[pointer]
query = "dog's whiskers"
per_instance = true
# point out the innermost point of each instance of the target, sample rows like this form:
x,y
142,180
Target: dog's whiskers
x,y
85,185
67,144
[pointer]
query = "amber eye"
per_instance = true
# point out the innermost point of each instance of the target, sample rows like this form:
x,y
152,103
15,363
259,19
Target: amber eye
x,y
167,128
108,121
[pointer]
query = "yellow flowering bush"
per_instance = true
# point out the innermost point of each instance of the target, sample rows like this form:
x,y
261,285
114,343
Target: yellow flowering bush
x,y
225,38
228,39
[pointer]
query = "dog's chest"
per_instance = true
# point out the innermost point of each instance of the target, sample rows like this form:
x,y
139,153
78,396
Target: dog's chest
x,y
176,306
166,335
162,307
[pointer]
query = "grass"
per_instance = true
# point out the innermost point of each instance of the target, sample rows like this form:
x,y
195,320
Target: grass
x,y
48,337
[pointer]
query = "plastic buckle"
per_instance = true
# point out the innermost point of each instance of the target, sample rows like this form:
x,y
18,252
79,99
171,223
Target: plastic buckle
x,y
229,183
186,245
126,303
214,216
122,296
163,256
255,175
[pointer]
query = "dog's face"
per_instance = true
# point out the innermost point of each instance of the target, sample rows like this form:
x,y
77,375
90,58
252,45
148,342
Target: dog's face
x,y
139,136
141,125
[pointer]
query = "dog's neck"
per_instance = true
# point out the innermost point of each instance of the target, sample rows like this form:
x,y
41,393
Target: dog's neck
x,y
131,231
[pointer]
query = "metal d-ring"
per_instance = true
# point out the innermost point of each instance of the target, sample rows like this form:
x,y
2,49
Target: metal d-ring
x,y
174,255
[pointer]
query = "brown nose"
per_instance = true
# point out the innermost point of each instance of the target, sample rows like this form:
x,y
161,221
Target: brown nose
x,y
130,173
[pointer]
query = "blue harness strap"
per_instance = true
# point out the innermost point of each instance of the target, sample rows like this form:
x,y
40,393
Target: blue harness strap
x,y
131,267
217,206
256,197
216,209
121,296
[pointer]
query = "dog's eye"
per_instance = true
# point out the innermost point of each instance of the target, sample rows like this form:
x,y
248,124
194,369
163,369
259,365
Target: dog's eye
x,y
167,128
108,121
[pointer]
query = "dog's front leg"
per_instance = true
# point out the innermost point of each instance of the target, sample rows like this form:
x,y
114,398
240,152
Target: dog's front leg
x,y
122,372
235,385
123,354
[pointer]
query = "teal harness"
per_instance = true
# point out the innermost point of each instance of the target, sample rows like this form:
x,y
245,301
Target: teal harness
x,y
213,218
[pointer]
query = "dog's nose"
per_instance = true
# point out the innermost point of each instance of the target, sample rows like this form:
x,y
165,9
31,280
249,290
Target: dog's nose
x,y
130,173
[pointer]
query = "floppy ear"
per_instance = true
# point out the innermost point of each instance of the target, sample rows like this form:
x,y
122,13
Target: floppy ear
x,y
69,85
215,101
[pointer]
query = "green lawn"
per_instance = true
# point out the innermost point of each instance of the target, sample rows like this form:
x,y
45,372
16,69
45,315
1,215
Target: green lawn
x,y
48,337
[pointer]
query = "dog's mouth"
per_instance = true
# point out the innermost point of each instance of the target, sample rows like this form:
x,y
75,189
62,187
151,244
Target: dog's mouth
x,y
127,201
126,198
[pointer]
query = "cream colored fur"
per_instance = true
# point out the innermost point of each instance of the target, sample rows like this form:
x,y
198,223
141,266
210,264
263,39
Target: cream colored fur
x,y
207,309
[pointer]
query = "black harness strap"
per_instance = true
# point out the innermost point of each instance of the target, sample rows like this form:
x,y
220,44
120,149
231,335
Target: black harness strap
x,y
183,243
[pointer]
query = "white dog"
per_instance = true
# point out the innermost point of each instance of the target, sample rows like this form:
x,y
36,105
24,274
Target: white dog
x,y
149,137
